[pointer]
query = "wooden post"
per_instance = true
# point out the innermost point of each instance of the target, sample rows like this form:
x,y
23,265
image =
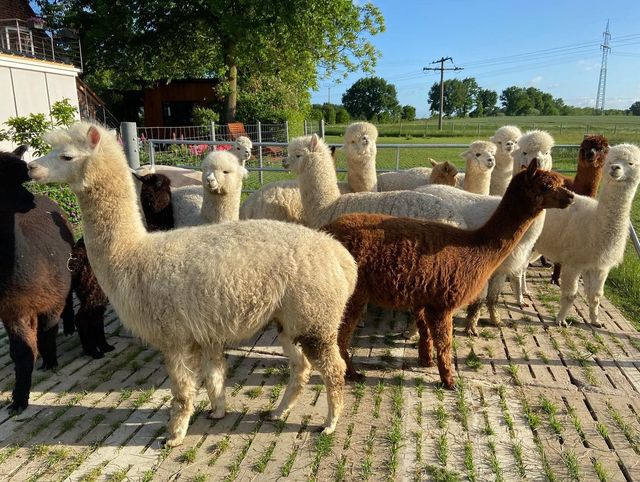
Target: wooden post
x,y
260,173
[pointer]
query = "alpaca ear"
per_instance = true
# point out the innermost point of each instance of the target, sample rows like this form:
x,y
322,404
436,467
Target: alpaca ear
x,y
533,167
20,150
465,154
93,135
314,142
433,162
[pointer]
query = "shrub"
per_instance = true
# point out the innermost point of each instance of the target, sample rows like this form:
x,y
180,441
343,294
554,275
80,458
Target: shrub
x,y
203,116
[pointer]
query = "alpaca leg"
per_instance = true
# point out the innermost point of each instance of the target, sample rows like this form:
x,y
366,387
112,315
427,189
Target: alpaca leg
x,y
525,287
101,339
473,315
441,327
47,343
23,352
183,369
214,368
425,342
87,333
412,327
68,316
518,282
555,277
349,319
496,282
594,289
568,291
299,372
325,357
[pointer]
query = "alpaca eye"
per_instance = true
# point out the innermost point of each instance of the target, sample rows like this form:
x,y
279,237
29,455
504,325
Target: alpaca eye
x,y
66,158
631,163
524,153
478,154
225,172
298,156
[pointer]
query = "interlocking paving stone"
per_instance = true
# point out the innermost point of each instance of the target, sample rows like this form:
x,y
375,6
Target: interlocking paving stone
x,y
105,419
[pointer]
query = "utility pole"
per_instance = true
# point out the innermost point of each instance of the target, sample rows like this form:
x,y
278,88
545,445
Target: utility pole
x,y
602,82
441,61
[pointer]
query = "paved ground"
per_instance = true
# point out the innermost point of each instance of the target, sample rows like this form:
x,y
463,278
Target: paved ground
x,y
534,402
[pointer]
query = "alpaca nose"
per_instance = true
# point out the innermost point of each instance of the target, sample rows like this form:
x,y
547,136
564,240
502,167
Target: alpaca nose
x,y
32,165
615,167
365,140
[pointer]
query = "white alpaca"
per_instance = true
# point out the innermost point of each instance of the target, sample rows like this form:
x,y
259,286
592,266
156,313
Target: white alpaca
x,y
218,199
589,237
281,199
309,158
189,292
181,177
479,157
506,141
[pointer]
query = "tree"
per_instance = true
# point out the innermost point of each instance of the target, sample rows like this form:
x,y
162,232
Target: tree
x,y
342,116
515,101
486,101
371,96
138,43
408,112
329,113
635,108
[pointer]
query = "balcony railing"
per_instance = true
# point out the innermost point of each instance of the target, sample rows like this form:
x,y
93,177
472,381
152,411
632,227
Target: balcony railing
x,y
32,39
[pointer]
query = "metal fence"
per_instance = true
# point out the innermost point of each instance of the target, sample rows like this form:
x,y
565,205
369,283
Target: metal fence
x,y
31,38
259,132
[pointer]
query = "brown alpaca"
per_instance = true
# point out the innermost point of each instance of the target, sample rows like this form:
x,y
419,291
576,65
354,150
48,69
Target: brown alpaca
x,y
443,173
432,268
591,157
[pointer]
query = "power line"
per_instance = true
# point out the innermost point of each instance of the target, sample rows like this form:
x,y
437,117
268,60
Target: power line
x,y
442,69
602,82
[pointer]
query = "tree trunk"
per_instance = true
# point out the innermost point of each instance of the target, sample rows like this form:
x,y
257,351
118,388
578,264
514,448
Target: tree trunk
x,y
231,99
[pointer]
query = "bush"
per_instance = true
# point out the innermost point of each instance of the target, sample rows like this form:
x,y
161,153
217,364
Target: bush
x,y
203,116
342,116
329,113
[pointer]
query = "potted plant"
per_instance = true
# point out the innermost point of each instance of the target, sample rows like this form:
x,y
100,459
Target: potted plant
x,y
36,22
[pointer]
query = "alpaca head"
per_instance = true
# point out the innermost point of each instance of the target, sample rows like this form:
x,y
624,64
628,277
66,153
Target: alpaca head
x,y
533,145
541,189
506,139
13,170
306,151
360,140
242,149
155,192
593,151
222,173
443,173
623,164
73,151
480,156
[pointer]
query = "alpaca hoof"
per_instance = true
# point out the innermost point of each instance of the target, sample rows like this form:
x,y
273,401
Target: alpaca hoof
x,y
471,331
448,384
107,348
597,324
276,415
427,363
217,414
360,324
523,305
562,323
17,408
173,441
48,365
354,376
96,355
555,281
328,430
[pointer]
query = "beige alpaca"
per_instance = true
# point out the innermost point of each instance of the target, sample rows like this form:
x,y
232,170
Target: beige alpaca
x,y
443,173
506,141
246,276
481,159
218,199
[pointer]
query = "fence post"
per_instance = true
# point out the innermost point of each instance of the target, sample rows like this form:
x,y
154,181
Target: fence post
x,y
397,158
212,128
129,134
322,128
260,173
304,127
152,155
286,130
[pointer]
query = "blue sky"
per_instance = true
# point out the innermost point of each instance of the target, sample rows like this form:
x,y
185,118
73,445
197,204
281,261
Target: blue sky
x,y
551,45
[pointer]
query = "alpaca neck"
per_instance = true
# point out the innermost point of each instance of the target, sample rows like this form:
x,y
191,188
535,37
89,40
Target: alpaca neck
x,y
504,164
220,208
476,180
111,217
504,229
614,206
361,176
318,189
587,180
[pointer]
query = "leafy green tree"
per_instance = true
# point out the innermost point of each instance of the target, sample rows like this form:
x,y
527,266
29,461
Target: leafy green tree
x,y
203,116
408,112
329,113
137,43
486,101
342,116
515,100
635,108
371,97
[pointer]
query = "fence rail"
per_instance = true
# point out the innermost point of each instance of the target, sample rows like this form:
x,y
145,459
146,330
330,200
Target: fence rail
x,y
261,169
31,38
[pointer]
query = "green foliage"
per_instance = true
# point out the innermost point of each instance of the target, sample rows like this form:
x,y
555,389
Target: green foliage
x,y
342,116
31,129
460,96
329,113
203,116
131,45
530,101
372,98
635,108
408,112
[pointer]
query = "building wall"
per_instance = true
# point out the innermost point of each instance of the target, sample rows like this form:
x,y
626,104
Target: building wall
x,y
200,92
32,86
15,9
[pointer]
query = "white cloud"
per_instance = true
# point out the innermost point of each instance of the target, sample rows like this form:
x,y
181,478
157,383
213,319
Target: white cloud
x,y
587,65
536,80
